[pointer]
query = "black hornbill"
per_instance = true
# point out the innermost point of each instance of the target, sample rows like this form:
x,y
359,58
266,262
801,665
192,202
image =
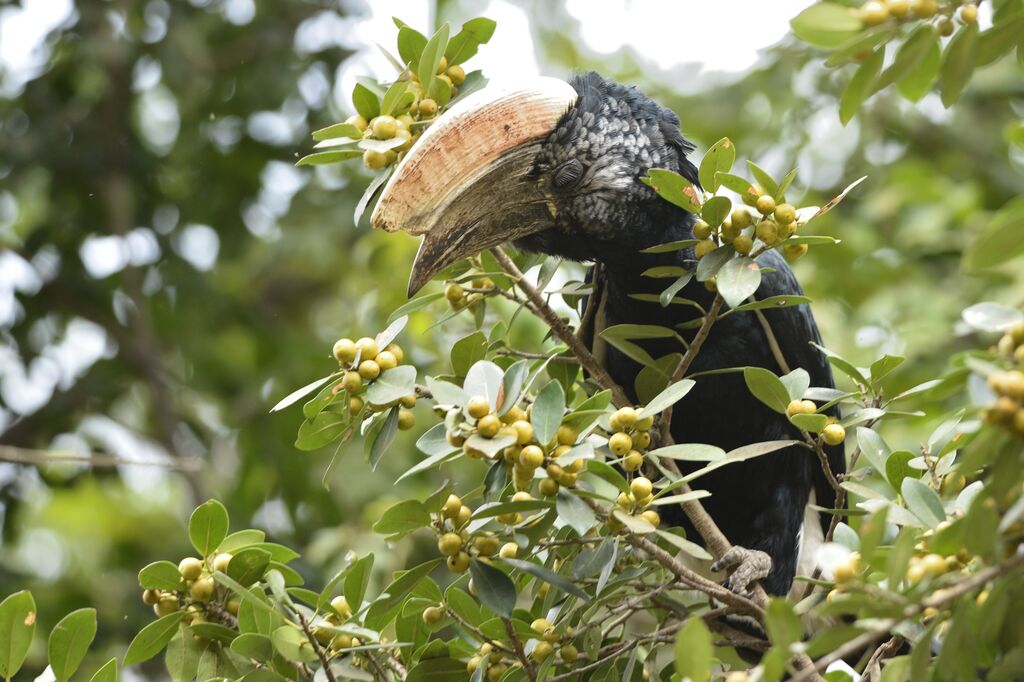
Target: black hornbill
x,y
555,167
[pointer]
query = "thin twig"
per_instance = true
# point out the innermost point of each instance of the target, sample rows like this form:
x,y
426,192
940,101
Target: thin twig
x,y
324,663
773,343
562,330
476,631
518,646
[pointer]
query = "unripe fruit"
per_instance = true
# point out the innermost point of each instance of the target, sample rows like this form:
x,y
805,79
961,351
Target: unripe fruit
x,y
568,653
405,135
150,597
898,8
457,74
355,405
542,651
738,676
473,664
620,443
785,214
220,562
952,483
622,419
374,160
167,605
488,426
454,292
741,218
341,605
641,440
633,461
203,589
496,672
342,642
548,487
486,545
933,564
573,467
478,407
701,230
752,194
396,350
463,517
524,431
540,625
344,351
428,108
369,369
190,568
704,247
406,419
799,407
945,27
765,204
386,360
873,13
367,348
969,14
652,517
767,231
352,382
443,65
645,424
833,434
357,121
743,244
531,457
641,487
432,615
508,550
847,571
384,127
449,544
794,252
451,507
408,401
567,434
458,563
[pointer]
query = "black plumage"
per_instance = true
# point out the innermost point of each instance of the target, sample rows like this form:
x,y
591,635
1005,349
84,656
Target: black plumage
x,y
589,168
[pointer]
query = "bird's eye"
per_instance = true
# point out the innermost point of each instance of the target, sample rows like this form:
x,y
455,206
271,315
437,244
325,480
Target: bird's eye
x,y
569,173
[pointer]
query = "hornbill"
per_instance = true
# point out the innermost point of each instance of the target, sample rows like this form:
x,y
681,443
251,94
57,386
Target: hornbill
x,y
555,168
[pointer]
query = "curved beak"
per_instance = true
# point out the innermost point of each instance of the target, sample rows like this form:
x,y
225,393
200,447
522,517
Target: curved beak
x,y
464,186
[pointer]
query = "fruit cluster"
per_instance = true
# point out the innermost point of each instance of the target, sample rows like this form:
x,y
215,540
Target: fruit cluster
x,y
454,540
327,634
202,599
409,125
500,661
740,229
1008,410
630,436
460,299
833,432
363,363
876,12
635,503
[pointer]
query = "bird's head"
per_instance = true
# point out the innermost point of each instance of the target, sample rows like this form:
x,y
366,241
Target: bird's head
x,y
550,165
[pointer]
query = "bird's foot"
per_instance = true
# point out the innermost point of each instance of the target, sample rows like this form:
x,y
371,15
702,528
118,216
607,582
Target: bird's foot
x,y
750,565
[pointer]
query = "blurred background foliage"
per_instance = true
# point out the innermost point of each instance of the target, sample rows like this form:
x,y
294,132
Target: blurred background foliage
x,y
166,274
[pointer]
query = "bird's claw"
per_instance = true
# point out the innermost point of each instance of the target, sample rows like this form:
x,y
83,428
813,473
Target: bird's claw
x,y
750,565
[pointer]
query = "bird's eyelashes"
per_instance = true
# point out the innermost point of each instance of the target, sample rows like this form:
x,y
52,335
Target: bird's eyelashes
x,y
567,174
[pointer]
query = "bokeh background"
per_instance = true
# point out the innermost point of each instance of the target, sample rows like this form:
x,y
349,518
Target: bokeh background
x,y
167,274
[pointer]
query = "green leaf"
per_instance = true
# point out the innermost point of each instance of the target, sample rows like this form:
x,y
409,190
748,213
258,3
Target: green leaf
x,y
694,651
470,37
248,565
438,670
17,626
736,183
326,427
548,410
512,384
826,24
391,385
812,423
333,156
69,641
860,86
430,58
467,351
357,579
1000,39
709,265
738,279
107,672
783,625
867,40
495,590
365,101
690,452
384,608
718,159
665,297
919,82
549,576
715,210
958,63
389,105
796,382
575,512
767,388
410,45
208,526
910,56
370,192
153,638
674,188
992,317
240,539
298,394
161,575
380,437
338,130
293,644
897,468
1000,240
773,302
182,656
762,176
484,380
403,518
637,331
670,396
922,501
254,646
